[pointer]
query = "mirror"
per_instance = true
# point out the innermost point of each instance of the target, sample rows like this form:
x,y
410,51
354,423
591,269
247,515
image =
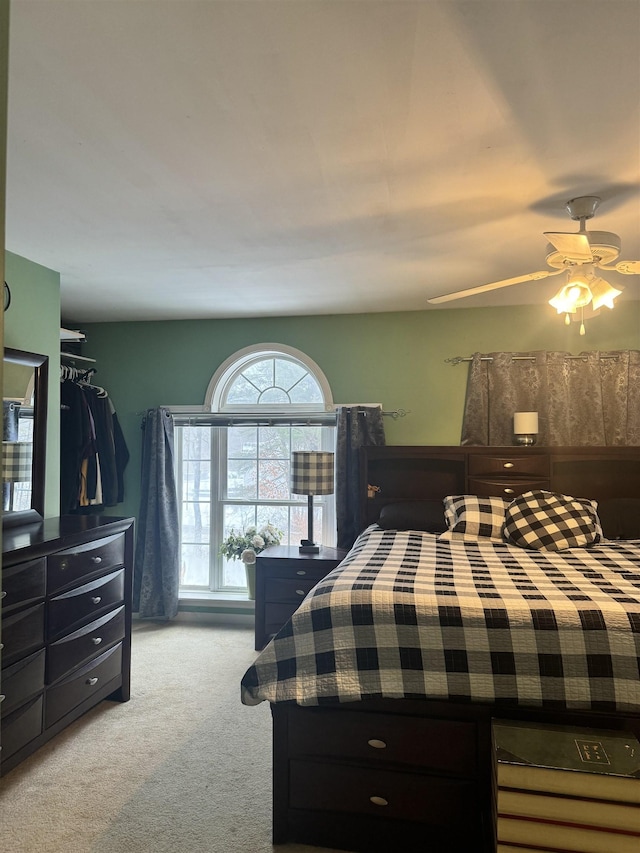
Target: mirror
x,y
24,434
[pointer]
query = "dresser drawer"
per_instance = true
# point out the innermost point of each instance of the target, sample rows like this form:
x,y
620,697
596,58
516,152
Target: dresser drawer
x,y
67,567
75,606
22,633
383,793
503,465
507,489
70,651
82,684
447,745
284,590
21,681
22,726
23,584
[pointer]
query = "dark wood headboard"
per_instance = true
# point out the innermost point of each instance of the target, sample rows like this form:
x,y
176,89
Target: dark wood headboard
x,y
430,473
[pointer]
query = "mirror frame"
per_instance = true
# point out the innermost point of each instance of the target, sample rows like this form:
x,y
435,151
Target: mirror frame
x,y
40,364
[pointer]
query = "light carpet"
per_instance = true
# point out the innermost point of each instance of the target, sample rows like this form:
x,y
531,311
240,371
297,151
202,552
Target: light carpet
x,y
183,767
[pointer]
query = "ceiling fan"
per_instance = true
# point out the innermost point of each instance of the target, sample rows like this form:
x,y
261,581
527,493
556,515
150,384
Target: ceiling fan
x,y
579,254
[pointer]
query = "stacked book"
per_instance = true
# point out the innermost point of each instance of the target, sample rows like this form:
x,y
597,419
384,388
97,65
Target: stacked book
x,y
560,788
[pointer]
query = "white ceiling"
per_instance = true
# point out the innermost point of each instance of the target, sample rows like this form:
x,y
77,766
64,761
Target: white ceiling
x,y
229,158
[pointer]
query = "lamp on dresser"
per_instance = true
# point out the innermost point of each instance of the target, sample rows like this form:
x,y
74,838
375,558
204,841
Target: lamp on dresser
x,y
311,474
17,463
525,428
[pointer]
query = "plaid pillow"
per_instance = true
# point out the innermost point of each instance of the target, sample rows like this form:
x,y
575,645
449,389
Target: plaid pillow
x,y
552,522
471,516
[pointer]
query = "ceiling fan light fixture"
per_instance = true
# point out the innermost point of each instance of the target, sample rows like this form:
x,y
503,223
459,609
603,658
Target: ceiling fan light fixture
x,y
603,293
573,295
578,254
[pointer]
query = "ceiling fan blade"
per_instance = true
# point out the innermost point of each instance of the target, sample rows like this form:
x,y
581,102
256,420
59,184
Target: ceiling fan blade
x,y
494,285
626,267
575,246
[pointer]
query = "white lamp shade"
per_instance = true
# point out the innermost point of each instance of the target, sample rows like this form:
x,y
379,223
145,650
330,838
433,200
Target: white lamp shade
x,y
525,423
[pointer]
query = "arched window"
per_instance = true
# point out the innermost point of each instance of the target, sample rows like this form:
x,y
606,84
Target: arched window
x,y
265,402
269,377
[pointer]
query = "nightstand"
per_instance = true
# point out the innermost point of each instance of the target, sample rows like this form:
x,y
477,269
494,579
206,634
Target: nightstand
x,y
283,578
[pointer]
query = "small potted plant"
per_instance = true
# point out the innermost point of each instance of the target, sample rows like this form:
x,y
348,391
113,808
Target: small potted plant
x,y
245,546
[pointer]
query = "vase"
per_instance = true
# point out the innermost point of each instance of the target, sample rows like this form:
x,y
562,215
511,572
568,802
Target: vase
x,y
250,569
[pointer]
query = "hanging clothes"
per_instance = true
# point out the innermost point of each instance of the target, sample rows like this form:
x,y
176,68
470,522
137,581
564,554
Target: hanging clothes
x,y
93,452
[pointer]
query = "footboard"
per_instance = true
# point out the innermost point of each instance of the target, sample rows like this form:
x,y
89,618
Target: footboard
x,y
388,774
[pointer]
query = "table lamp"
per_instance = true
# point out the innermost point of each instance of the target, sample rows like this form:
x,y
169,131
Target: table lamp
x,y
311,474
525,428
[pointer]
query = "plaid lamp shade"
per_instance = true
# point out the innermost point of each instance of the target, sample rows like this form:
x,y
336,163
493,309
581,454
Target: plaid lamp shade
x,y
17,458
311,472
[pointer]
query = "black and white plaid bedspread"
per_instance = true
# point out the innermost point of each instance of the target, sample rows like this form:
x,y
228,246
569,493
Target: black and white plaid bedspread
x,y
408,616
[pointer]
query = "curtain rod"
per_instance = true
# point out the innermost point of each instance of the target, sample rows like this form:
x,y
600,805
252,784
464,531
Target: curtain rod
x,y
186,418
458,358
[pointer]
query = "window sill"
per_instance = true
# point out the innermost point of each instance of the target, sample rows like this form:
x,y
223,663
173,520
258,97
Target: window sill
x,y
190,599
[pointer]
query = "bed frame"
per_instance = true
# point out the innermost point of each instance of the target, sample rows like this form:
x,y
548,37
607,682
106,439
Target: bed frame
x,y
382,775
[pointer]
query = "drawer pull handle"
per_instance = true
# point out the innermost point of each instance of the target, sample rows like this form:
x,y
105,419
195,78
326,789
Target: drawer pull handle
x,y
377,744
96,560
508,465
508,491
63,565
3,594
96,599
379,801
2,697
301,572
96,640
91,681
300,592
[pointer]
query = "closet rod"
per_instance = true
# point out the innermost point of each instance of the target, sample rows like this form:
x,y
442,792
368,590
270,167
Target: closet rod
x,y
456,359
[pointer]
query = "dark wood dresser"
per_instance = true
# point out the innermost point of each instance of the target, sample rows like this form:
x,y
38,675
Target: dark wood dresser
x,y
66,626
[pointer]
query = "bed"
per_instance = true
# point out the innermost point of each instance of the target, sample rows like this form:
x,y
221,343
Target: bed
x,y
384,682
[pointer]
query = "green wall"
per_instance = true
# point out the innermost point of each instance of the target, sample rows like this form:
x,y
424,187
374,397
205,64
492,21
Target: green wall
x,y
397,359
32,323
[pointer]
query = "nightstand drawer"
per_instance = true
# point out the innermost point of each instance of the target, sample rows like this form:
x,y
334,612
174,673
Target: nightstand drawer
x,y
507,489
284,590
274,617
522,467
72,650
293,569
23,584
69,566
75,606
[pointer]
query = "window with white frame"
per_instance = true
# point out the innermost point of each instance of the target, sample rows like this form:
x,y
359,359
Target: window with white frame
x,y
233,462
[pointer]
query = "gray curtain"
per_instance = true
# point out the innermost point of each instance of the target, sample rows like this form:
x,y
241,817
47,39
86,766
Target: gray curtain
x,y
157,563
356,427
593,399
